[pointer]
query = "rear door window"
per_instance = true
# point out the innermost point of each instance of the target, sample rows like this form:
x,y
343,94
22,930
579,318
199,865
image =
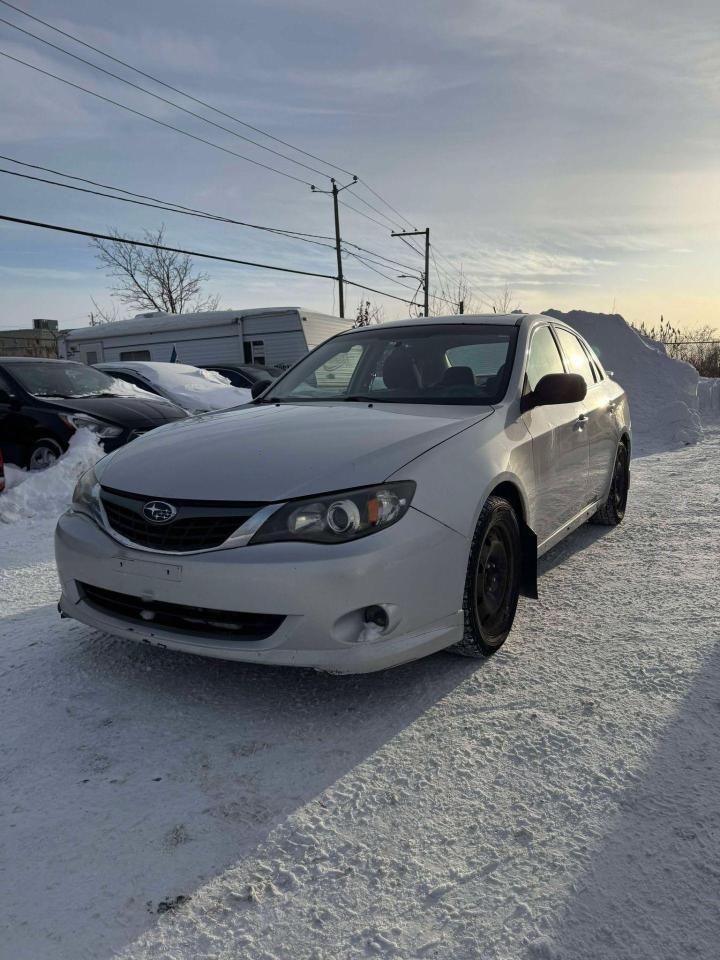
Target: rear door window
x,y
575,356
544,358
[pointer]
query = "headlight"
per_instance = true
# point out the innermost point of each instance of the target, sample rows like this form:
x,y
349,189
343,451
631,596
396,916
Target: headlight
x,y
86,496
339,517
76,421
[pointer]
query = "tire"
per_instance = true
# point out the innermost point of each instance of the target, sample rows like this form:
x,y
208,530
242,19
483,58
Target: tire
x,y
611,513
44,454
492,584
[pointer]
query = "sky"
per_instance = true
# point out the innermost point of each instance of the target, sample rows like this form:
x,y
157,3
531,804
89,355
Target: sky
x,y
565,150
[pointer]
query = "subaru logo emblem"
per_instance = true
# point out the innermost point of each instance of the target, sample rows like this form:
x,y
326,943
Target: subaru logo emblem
x,y
157,511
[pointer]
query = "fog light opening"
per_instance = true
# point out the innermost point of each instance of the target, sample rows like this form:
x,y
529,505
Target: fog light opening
x,y
377,615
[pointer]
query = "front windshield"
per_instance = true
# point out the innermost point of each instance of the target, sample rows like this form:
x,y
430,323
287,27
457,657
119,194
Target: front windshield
x,y
459,363
56,378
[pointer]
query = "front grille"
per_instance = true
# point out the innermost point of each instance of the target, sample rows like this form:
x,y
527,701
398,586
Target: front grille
x,y
197,525
197,621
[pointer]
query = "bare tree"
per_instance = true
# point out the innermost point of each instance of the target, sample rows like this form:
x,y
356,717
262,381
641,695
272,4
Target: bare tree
x,y
147,278
99,315
503,302
367,313
449,293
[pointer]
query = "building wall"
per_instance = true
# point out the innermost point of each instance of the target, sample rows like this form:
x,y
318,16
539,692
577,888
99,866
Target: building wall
x,y
28,343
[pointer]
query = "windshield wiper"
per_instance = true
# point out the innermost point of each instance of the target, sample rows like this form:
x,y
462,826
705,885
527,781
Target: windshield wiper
x,y
359,398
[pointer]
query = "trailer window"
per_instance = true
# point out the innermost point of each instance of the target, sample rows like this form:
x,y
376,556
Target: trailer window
x,y
135,355
254,351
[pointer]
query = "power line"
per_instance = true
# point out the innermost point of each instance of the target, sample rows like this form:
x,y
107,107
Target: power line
x,y
162,123
442,257
156,246
94,235
382,293
147,200
208,106
370,206
157,96
382,199
170,203
344,203
171,208
380,273
169,86
365,259
394,280
380,256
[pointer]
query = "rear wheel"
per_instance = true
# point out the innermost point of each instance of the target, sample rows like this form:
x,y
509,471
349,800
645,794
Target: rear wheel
x,y
612,511
492,584
44,454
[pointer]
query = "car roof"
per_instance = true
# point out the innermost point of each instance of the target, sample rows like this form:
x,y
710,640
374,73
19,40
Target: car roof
x,y
501,319
156,367
39,360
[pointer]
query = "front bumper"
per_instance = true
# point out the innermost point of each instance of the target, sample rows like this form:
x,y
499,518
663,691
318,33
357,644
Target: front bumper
x,y
416,569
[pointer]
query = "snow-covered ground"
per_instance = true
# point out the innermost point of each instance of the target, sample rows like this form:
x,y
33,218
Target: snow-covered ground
x,y
557,802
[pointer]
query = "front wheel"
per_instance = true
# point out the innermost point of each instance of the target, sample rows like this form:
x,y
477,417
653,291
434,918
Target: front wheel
x,y
611,513
492,584
44,454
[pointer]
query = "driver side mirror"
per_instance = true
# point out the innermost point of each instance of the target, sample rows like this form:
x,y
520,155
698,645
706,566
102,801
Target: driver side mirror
x,y
260,386
555,388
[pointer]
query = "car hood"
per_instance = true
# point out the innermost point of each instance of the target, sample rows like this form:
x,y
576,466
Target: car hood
x,y
132,412
267,453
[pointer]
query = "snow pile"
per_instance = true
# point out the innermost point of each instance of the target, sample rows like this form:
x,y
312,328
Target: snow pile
x,y
709,395
663,392
46,493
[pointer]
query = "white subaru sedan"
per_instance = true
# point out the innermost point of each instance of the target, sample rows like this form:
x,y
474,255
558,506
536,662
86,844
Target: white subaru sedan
x,y
386,498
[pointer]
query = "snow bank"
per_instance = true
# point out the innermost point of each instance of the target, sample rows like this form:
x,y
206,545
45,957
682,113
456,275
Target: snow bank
x,y
46,493
709,395
663,392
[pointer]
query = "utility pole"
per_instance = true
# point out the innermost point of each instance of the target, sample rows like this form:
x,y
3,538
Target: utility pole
x,y
461,307
338,245
426,279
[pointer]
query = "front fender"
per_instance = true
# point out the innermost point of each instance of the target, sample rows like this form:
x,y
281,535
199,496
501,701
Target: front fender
x,y
455,478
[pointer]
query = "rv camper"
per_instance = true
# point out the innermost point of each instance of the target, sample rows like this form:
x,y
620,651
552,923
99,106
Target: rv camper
x,y
274,337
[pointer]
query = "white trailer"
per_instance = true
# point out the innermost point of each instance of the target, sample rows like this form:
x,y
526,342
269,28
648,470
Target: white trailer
x,y
272,336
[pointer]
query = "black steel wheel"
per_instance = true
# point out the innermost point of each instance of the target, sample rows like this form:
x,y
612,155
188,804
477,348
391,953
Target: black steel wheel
x,y
612,511
492,585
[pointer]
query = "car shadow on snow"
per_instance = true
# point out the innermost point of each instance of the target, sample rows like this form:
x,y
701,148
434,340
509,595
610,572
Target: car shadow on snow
x,y
649,888
152,770
579,540
139,773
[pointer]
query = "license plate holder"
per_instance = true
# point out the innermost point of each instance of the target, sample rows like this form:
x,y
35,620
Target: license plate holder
x,y
149,568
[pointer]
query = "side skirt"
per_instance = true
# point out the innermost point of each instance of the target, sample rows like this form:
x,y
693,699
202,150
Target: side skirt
x,y
568,528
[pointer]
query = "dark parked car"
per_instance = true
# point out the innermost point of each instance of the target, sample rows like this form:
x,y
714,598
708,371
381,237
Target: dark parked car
x,y
43,403
245,374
